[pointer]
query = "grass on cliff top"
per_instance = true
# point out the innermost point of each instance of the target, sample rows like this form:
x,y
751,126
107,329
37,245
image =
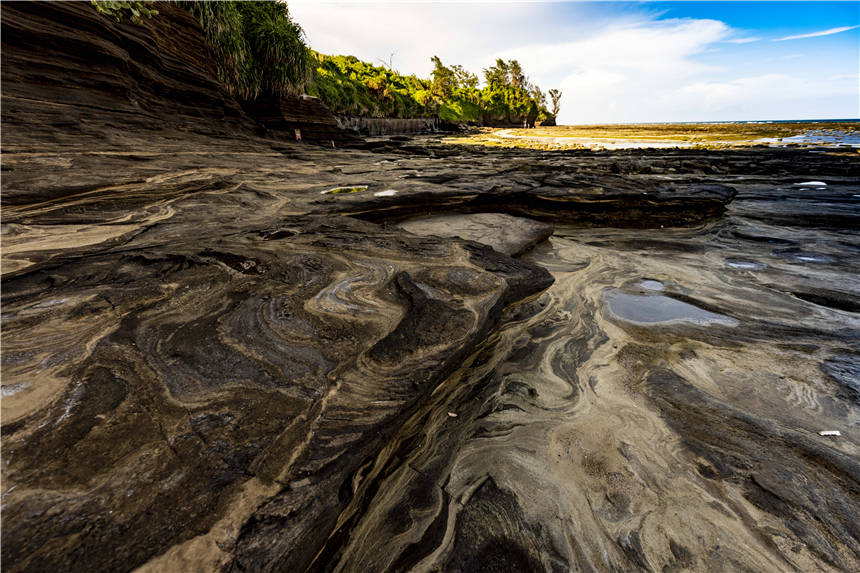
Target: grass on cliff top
x,y
711,135
257,47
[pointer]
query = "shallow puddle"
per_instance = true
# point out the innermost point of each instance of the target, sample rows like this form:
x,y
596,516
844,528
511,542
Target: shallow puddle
x,y
649,284
748,265
659,309
805,257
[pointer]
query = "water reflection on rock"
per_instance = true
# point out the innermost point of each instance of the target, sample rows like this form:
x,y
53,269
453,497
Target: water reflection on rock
x,y
658,309
747,265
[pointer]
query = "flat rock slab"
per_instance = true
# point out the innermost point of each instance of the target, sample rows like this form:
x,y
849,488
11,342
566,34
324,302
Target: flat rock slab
x,y
507,234
541,190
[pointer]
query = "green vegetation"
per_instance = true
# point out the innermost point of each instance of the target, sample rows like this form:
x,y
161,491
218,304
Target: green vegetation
x,y
134,11
256,46
259,50
455,93
509,94
350,86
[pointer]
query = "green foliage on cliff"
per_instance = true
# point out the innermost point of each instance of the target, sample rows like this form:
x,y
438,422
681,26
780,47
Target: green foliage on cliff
x,y
350,86
256,45
258,49
135,11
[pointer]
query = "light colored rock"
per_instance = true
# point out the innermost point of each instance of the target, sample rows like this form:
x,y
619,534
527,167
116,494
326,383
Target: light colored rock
x,y
510,235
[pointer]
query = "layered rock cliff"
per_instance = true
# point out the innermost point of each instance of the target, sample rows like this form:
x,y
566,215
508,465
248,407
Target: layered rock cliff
x,y
74,78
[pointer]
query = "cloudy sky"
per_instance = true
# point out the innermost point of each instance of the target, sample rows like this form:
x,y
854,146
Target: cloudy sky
x,y
623,61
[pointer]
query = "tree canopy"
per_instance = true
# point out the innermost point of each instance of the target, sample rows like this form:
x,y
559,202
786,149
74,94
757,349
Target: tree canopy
x,y
555,97
354,87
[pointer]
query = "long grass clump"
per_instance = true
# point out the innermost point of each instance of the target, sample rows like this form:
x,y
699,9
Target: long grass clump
x,y
256,46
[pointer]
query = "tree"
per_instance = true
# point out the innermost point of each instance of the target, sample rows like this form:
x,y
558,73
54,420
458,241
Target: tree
x,y
538,96
497,76
390,63
555,97
464,78
516,77
444,79
350,86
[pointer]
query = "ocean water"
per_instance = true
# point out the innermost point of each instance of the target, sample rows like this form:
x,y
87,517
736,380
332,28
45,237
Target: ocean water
x,y
817,137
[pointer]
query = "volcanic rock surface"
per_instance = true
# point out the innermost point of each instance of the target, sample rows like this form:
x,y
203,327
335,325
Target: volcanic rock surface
x,y
213,361
203,369
512,236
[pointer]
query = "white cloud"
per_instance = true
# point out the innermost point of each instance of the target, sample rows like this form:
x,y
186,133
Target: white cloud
x,y
844,77
658,47
626,72
613,63
829,32
764,96
466,34
714,96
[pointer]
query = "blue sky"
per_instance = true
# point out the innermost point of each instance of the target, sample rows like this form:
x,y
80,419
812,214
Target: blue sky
x,y
624,61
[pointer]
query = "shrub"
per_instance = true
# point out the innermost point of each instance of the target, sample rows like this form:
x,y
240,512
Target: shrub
x,y
256,46
135,11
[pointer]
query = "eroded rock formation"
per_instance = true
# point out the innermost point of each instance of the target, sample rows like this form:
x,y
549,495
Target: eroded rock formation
x,y
375,126
512,236
72,77
216,356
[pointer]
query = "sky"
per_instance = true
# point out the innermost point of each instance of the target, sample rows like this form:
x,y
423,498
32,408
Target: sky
x,y
621,62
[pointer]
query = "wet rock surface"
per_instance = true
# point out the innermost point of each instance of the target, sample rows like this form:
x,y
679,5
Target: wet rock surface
x,y
512,236
183,373
531,185
211,363
205,359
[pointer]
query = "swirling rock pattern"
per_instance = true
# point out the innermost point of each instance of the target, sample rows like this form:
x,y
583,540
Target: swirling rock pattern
x,y
513,236
201,373
212,361
167,376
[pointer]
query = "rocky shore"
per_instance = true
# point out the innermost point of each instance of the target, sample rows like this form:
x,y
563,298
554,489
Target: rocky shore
x,y
225,350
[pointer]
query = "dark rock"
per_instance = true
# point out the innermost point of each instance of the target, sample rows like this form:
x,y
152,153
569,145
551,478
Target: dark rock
x,y
74,77
845,370
587,200
376,126
303,118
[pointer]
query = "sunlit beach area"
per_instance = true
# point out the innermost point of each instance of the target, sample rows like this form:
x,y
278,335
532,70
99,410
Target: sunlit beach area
x,y
840,134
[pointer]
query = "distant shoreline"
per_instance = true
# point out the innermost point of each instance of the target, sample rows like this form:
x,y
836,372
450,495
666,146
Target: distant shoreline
x,y
712,135
731,122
